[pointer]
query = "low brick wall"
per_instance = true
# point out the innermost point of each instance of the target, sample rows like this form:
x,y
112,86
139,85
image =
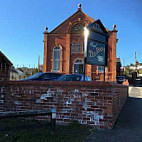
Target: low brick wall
x,y
92,103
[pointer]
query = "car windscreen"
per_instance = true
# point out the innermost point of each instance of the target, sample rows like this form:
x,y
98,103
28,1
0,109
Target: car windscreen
x,y
36,75
69,78
56,75
51,76
88,78
120,77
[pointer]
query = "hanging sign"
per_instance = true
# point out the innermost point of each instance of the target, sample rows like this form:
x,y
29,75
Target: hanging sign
x,y
97,44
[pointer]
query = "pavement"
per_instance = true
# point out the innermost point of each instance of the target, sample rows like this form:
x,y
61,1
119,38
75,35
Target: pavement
x,y
128,127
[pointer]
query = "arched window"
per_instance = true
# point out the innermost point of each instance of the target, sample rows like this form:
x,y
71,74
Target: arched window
x,y
56,58
78,28
73,47
78,66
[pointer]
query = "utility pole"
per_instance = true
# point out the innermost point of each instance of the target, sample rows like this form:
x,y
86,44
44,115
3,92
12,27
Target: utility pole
x,y
38,63
136,61
123,66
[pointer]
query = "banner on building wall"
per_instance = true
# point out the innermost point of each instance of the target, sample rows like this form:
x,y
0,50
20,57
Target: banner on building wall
x,y
97,44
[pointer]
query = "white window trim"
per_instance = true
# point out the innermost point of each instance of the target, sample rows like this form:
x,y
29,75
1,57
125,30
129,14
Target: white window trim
x,y
57,60
78,63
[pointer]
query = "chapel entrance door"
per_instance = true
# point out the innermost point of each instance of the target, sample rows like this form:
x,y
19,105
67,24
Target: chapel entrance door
x,y
78,66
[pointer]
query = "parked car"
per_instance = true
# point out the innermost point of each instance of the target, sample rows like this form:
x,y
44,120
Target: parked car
x,y
40,76
120,79
74,77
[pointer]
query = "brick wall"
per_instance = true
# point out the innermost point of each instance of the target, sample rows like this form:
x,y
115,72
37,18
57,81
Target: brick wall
x,y
92,103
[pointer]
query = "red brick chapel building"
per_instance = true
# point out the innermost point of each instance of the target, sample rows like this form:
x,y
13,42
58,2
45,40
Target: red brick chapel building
x,y
64,48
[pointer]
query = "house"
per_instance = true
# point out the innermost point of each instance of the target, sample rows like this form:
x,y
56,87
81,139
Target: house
x,y
64,48
5,66
16,74
118,66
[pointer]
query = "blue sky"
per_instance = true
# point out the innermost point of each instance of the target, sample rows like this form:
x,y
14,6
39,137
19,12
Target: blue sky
x,y
22,25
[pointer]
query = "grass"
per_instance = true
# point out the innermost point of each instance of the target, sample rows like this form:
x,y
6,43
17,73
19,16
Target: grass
x,y
20,130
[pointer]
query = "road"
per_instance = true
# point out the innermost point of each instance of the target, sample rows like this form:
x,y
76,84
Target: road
x,y
128,127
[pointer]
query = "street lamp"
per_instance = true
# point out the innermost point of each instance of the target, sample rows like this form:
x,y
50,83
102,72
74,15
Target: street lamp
x,y
86,34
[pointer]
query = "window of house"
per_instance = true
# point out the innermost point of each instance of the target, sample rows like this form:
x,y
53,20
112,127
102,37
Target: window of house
x,y
83,48
79,47
100,69
56,58
78,28
73,47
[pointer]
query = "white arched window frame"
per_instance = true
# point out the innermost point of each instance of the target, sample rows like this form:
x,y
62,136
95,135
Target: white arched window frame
x,y
79,61
56,58
78,66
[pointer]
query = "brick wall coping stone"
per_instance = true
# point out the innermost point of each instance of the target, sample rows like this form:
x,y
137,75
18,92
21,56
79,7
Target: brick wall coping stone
x,y
62,83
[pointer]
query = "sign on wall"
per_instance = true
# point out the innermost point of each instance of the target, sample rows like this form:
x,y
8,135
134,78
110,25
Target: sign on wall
x,y
97,44
95,53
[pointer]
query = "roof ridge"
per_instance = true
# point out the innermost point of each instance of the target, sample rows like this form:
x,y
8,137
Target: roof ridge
x,y
71,17
6,58
65,21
